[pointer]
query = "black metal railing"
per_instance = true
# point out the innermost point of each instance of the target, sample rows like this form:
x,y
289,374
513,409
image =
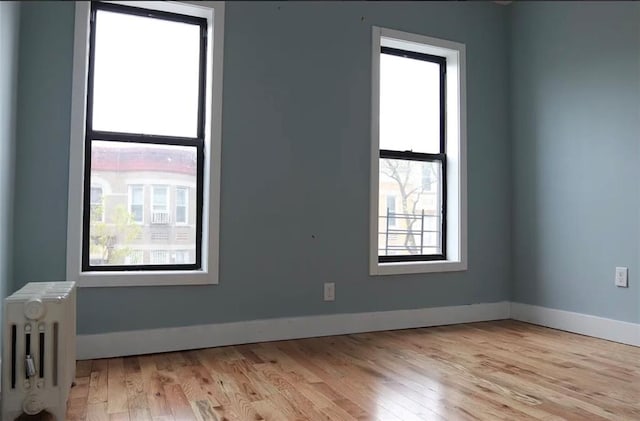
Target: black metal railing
x,y
413,246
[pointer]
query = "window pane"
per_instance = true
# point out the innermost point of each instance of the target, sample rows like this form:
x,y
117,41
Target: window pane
x,y
146,75
140,176
181,205
410,222
181,196
409,104
137,195
181,215
160,198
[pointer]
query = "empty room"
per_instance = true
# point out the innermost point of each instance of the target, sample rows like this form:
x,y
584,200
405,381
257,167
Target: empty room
x,y
317,210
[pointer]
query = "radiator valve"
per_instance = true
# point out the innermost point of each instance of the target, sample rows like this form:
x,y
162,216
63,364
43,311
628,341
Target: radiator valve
x,y
30,367
32,405
34,309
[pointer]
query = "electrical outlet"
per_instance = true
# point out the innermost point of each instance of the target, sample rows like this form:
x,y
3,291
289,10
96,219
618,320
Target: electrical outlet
x,y
329,291
622,277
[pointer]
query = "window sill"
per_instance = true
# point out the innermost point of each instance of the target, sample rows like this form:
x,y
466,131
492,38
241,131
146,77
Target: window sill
x,y
400,268
142,278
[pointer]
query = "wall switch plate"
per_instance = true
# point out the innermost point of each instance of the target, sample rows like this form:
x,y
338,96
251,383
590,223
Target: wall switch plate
x,y
622,277
329,291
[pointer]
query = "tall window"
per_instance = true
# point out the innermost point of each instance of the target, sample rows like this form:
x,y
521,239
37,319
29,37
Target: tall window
x,y
160,205
146,111
145,124
182,205
412,143
418,135
136,203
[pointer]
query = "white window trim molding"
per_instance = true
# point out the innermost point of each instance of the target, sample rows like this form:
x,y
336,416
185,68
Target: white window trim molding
x,y
456,142
214,12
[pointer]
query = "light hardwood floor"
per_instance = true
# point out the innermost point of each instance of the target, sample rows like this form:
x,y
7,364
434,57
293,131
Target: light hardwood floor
x,y
503,370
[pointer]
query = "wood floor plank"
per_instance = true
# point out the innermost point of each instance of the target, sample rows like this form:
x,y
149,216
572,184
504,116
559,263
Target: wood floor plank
x,y
97,412
98,383
137,401
116,388
154,387
502,370
120,416
177,401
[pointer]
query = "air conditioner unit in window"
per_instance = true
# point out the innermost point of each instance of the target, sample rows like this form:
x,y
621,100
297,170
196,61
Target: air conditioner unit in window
x,y
39,349
160,218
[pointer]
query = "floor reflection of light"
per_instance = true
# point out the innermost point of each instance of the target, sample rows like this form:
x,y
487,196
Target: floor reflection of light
x,y
417,394
409,400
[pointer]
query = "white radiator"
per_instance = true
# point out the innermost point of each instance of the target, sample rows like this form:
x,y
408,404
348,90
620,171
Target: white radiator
x,y
39,349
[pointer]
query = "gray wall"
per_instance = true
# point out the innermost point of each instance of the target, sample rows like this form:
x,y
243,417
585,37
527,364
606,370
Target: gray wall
x,y
9,22
295,165
575,84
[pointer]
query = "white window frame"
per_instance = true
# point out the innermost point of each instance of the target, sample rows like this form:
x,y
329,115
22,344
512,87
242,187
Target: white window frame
x,y
214,12
186,205
456,143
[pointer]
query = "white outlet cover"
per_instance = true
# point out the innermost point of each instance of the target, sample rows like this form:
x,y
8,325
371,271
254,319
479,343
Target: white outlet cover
x,y
622,277
329,291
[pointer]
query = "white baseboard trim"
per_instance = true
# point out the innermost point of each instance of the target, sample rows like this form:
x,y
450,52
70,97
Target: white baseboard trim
x,y
138,342
584,324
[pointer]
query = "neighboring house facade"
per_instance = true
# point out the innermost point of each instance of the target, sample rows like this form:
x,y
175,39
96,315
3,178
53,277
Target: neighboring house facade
x,y
145,198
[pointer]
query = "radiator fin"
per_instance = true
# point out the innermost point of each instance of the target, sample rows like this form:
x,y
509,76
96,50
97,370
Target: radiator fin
x,y
56,343
14,356
41,355
27,350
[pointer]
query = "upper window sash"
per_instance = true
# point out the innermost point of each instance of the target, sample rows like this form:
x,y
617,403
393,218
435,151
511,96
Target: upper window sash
x,y
103,133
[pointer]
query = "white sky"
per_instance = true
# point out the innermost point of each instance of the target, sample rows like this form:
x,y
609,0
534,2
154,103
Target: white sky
x,y
409,104
146,75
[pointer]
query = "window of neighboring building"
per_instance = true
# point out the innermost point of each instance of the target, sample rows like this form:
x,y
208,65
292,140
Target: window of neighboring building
x,y
136,203
97,204
181,256
182,205
159,257
391,210
160,199
160,205
146,112
134,257
429,178
418,140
